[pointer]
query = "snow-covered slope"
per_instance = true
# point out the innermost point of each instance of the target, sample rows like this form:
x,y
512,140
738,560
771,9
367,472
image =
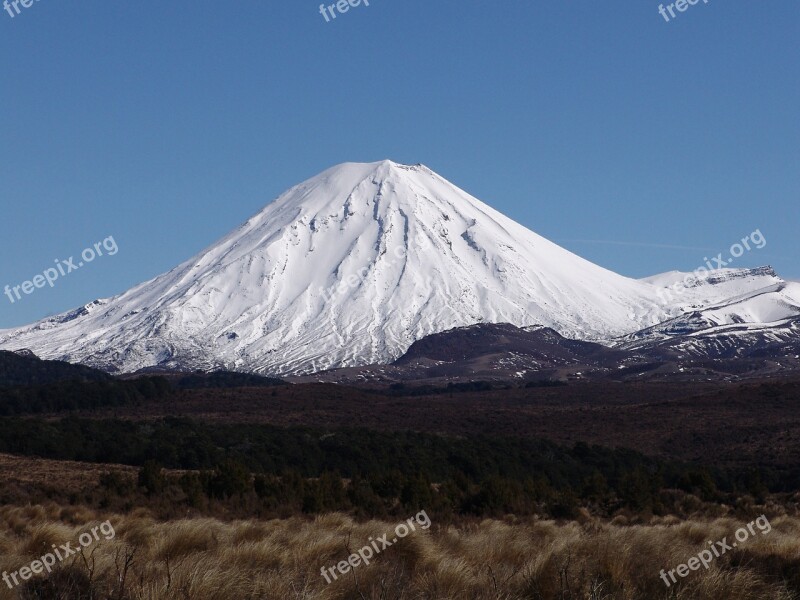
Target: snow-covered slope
x,y
347,268
769,314
688,291
728,313
350,268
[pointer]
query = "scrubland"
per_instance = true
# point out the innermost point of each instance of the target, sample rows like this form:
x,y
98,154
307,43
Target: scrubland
x,y
509,559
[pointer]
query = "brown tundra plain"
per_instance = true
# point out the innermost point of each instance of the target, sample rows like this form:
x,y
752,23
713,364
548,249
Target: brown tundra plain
x,y
509,559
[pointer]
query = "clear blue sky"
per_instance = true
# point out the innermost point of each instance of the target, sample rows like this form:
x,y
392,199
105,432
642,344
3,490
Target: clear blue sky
x,y
596,124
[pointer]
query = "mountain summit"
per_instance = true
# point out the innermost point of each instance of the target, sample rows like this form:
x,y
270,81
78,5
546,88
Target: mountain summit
x,y
348,268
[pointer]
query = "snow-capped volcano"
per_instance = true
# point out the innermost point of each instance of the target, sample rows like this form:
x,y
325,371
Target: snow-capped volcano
x,y
348,268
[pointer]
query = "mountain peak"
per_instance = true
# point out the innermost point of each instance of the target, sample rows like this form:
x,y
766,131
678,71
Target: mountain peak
x,y
347,268
351,180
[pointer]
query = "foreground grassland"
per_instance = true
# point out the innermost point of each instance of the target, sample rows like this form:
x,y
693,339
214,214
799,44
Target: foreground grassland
x,y
509,559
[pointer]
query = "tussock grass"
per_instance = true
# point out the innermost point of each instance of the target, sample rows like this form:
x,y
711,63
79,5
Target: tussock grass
x,y
510,559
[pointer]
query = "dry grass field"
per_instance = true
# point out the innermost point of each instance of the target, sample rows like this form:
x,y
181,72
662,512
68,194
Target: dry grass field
x,y
67,476
182,551
207,559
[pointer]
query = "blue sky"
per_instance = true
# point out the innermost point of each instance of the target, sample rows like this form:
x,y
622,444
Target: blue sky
x,y
639,144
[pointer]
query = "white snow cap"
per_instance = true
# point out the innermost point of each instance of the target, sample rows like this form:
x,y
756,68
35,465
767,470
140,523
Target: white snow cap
x,y
348,268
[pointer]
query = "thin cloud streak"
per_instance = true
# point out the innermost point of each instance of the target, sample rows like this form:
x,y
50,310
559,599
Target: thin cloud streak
x,y
637,244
